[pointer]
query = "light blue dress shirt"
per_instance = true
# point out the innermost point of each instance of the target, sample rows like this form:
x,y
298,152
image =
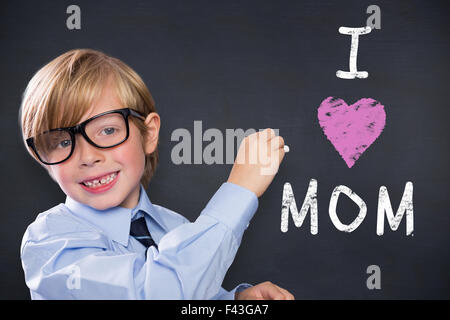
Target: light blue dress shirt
x,y
73,251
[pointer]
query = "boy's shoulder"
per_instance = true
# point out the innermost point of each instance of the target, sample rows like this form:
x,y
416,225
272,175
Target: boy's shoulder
x,y
171,218
55,221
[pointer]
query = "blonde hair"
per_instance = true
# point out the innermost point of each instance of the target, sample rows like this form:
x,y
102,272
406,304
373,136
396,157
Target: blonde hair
x,y
62,91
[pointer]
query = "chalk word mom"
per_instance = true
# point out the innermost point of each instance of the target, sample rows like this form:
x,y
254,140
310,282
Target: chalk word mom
x,y
384,208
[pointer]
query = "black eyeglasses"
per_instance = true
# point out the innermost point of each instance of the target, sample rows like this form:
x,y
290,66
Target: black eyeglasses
x,y
105,130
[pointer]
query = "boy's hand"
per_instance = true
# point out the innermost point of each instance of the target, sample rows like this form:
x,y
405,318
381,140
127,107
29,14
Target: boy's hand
x,y
257,161
264,291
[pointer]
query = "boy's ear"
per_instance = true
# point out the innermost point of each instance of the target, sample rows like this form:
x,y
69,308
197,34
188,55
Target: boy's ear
x,y
153,123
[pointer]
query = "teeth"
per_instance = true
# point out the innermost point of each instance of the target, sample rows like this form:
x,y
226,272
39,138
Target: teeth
x,y
104,180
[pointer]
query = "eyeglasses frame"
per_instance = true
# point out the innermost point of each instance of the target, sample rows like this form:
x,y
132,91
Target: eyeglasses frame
x,y
80,128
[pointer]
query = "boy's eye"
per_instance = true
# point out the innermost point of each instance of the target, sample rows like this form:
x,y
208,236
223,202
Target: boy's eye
x,y
64,144
109,131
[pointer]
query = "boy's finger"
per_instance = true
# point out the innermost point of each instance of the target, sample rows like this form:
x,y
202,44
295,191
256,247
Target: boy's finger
x,y
287,294
271,292
270,133
266,134
278,295
277,143
277,147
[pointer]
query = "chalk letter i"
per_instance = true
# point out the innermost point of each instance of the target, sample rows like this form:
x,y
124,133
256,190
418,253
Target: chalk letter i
x,y
353,73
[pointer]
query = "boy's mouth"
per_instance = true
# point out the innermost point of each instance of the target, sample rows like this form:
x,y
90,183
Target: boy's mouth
x,y
100,181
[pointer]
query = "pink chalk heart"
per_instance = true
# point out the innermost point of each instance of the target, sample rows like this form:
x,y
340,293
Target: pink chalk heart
x,y
351,129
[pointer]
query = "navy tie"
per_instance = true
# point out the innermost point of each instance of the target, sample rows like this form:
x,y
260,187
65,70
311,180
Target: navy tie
x,y
140,232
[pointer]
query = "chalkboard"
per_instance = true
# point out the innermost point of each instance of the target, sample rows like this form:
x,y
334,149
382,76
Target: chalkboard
x,y
266,64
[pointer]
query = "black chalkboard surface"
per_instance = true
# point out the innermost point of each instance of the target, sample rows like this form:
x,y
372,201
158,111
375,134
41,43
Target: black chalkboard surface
x,y
259,64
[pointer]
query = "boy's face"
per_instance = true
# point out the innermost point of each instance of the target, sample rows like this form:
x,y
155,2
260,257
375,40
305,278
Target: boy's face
x,y
128,159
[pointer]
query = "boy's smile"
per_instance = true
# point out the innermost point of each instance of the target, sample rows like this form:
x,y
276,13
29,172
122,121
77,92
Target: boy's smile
x,y
104,178
101,183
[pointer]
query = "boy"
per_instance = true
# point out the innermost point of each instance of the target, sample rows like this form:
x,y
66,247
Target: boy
x,y
90,121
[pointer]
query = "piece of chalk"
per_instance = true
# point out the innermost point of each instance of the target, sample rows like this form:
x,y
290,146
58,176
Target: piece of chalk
x,y
286,148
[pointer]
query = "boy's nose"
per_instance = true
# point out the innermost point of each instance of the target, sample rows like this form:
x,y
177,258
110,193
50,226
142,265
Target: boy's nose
x,y
87,153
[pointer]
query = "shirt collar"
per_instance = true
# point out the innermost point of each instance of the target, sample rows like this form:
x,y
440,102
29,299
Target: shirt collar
x,y
115,221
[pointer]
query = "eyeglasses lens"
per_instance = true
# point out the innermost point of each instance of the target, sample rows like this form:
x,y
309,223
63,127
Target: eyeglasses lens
x,y
105,131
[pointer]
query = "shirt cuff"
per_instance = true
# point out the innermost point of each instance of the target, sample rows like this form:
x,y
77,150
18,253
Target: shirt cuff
x,y
234,206
231,295
239,288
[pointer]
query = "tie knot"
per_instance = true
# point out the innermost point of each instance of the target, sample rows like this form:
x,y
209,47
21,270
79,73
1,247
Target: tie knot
x,y
140,232
139,227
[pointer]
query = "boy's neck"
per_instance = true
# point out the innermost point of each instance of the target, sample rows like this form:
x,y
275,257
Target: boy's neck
x,y
132,199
